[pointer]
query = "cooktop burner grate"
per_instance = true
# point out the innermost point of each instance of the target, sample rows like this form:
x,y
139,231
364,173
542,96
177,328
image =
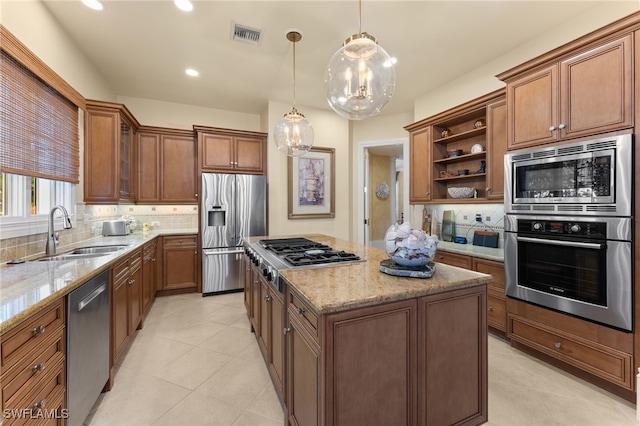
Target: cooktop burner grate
x,y
305,252
313,258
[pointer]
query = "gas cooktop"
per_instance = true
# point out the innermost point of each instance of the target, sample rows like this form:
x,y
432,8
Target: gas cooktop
x,y
305,252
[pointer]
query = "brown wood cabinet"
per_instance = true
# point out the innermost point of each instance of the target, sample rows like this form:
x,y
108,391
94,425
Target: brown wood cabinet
x,y
149,253
586,92
109,153
231,151
383,364
441,154
126,304
33,365
167,165
179,264
496,299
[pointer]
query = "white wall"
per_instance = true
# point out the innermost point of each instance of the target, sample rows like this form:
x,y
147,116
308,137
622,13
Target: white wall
x,y
32,24
331,131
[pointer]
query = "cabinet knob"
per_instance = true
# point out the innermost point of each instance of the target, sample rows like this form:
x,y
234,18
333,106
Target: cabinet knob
x,y
39,404
487,189
38,330
428,192
267,298
286,330
301,311
38,367
561,126
552,128
490,308
195,195
558,345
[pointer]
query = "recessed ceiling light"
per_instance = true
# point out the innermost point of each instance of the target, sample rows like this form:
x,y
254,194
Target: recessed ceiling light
x,y
191,72
93,4
184,5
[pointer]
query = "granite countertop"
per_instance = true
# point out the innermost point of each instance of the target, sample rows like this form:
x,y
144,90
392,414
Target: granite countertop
x,y
338,288
489,253
29,287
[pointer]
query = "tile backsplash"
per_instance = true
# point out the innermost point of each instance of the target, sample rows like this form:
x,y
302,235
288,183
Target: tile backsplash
x,y
88,224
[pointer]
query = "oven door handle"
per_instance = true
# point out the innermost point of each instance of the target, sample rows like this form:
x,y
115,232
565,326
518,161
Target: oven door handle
x,y
561,243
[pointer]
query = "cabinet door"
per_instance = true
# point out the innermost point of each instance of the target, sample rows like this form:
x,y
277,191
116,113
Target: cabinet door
x,y
127,166
249,154
496,306
255,303
135,299
264,341
148,167
452,358
420,166
179,262
217,152
597,89
496,148
119,317
178,174
276,365
101,156
148,275
248,287
303,376
532,102
453,259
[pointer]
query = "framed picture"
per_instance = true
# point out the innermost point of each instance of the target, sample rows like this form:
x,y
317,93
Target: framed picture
x,y
312,184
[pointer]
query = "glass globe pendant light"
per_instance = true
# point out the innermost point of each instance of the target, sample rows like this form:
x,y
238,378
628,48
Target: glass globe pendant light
x,y
361,77
293,134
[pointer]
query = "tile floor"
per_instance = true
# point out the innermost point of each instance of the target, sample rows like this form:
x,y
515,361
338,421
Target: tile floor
x,y
195,362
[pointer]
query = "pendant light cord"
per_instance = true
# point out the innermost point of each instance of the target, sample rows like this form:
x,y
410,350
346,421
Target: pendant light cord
x,y
360,17
294,74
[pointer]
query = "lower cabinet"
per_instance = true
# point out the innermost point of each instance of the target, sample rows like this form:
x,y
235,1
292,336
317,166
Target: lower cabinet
x,y
33,368
417,361
179,264
149,253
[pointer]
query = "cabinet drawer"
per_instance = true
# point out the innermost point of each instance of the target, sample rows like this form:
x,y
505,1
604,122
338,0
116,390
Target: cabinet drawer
x,y
495,269
304,314
121,271
180,240
25,337
28,370
135,261
453,259
599,360
496,310
41,395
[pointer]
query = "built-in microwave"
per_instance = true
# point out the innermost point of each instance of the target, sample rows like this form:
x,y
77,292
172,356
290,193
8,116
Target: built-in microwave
x,y
585,177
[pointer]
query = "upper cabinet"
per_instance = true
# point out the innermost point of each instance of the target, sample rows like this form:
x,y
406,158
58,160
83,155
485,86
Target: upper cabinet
x,y
574,92
231,151
456,149
109,154
167,166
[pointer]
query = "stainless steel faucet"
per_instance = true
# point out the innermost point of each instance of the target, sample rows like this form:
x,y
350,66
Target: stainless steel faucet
x,y
52,236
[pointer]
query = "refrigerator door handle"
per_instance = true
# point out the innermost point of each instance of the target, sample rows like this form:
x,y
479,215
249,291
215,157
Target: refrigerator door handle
x,y
213,252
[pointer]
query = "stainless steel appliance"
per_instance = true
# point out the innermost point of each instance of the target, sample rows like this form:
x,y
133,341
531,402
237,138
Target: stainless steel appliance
x,y
87,346
233,208
277,254
580,266
582,177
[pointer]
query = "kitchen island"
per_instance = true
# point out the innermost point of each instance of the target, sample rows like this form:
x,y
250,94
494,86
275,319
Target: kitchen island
x,y
363,347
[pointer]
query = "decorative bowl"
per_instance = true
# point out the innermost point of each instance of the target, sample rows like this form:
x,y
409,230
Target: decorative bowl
x,y
463,172
454,153
410,247
461,192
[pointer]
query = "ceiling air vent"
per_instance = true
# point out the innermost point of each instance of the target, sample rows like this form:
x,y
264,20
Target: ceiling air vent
x,y
246,34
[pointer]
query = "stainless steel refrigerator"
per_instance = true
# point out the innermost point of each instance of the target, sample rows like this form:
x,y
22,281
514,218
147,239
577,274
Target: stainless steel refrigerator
x,y
233,208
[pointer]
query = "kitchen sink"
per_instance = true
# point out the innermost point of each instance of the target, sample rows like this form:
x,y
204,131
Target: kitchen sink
x,y
71,256
97,249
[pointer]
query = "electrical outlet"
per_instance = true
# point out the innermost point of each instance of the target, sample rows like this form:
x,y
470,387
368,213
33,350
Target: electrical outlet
x,y
478,217
487,219
464,217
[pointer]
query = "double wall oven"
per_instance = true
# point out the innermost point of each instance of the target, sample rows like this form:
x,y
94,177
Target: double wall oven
x,y
568,228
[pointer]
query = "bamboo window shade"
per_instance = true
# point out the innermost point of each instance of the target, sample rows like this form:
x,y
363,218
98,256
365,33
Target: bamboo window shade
x,y
39,133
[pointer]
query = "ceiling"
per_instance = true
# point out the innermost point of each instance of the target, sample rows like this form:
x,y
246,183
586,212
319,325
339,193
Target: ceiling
x,y
143,47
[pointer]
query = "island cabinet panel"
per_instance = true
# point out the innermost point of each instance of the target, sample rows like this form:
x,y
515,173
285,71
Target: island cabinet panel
x,y
453,259
585,91
496,299
452,358
371,365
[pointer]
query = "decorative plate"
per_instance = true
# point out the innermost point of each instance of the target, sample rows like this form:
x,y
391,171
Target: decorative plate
x,y
382,191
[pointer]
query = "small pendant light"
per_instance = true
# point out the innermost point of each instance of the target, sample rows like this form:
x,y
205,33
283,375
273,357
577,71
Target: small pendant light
x,y
360,78
293,134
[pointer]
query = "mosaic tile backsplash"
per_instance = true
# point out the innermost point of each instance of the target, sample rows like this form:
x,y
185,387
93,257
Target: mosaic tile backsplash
x,y
88,224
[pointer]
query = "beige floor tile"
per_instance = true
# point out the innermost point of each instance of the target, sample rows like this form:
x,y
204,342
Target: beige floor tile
x,y
136,399
193,368
267,404
237,383
248,418
230,341
198,409
186,330
150,352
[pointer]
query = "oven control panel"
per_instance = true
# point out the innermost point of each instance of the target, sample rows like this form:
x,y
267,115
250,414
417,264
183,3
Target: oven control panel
x,y
563,227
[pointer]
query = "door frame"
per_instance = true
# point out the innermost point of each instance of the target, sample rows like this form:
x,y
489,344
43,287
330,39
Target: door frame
x,y
362,192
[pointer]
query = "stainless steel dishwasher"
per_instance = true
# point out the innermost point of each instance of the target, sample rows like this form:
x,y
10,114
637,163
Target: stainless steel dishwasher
x,y
87,346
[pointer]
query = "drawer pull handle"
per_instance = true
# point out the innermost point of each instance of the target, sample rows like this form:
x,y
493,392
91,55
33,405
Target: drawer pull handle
x,y
301,311
38,330
38,367
558,345
37,405
286,330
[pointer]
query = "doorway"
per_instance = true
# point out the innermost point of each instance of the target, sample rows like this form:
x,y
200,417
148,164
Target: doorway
x,y
382,188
